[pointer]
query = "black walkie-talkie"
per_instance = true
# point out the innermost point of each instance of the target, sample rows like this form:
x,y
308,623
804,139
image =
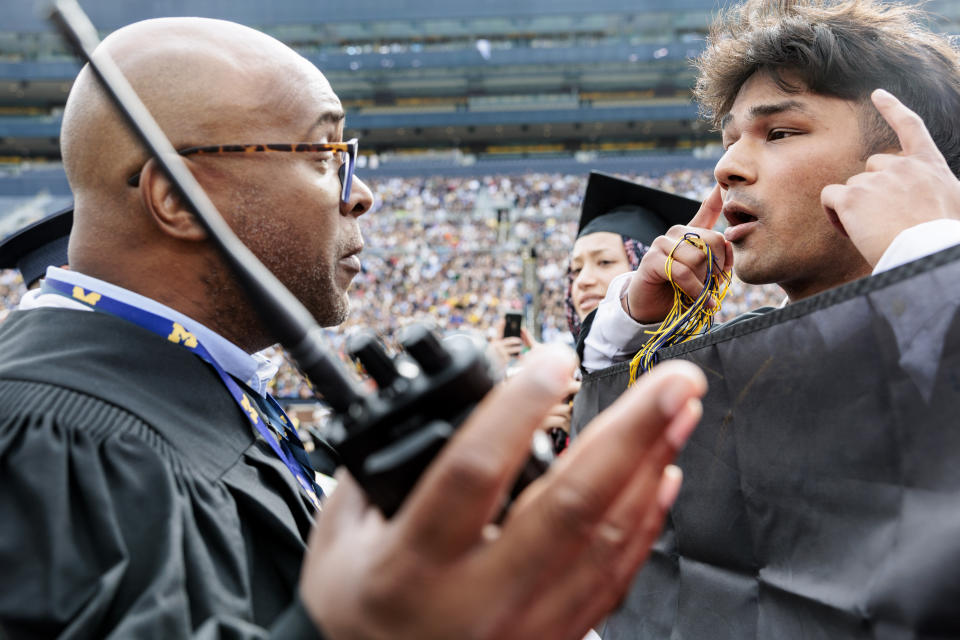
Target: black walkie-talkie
x,y
388,438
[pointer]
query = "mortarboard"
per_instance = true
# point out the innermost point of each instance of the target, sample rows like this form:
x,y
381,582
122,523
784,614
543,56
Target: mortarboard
x,y
630,209
38,246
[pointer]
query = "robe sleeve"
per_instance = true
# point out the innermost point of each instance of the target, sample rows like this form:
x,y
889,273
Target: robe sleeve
x,y
102,535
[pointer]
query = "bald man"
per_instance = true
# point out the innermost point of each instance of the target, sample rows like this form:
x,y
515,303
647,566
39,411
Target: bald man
x,y
149,487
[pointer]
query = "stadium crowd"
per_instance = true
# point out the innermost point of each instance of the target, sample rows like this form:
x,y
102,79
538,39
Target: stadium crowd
x,y
451,251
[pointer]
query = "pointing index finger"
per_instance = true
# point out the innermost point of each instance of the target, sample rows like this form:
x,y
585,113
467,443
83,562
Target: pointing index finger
x,y
909,127
709,211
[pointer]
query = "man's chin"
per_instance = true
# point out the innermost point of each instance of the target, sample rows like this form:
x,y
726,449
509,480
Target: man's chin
x,y
747,270
332,314
746,267
341,315
758,274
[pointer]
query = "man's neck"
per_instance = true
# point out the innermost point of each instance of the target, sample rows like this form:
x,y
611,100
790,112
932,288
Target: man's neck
x,y
232,356
207,295
797,290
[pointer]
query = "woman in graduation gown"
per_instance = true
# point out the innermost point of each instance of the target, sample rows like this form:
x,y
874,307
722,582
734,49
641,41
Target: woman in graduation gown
x,y
619,220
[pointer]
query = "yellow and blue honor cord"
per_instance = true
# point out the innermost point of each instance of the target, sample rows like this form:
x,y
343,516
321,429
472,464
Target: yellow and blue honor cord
x,y
689,317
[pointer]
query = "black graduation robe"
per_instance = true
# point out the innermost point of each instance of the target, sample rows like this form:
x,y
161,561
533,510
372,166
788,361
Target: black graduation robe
x,y
821,492
135,498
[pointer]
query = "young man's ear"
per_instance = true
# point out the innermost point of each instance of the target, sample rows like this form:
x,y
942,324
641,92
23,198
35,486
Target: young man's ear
x,y
166,207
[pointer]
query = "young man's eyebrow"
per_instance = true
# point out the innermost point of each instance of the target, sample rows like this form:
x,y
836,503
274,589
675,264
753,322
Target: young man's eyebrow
x,y
762,110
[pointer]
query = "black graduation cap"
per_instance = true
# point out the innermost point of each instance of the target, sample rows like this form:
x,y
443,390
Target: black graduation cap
x,y
38,246
630,209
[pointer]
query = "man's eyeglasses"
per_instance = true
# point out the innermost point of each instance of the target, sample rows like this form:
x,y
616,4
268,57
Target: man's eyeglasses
x,y
346,153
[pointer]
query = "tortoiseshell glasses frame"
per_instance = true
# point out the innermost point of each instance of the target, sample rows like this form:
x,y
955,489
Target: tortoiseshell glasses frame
x,y
346,152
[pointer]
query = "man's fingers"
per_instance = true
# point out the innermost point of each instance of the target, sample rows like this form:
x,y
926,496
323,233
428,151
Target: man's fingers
x,y
883,162
650,294
342,510
709,211
832,197
690,266
912,133
556,422
558,416
689,281
613,454
728,256
837,200
560,410
464,486
690,254
589,585
349,498
693,256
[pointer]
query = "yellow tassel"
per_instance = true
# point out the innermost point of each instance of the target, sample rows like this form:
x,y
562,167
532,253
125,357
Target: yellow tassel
x,y
688,318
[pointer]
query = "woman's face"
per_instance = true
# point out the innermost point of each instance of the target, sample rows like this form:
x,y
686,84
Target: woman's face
x,y
597,259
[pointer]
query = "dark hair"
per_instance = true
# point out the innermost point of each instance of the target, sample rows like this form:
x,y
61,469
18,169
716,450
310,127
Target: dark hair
x,y
844,49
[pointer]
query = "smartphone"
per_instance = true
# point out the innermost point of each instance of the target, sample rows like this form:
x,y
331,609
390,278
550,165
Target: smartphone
x,y
511,325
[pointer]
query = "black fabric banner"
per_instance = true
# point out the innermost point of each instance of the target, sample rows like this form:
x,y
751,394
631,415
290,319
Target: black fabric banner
x,y
821,494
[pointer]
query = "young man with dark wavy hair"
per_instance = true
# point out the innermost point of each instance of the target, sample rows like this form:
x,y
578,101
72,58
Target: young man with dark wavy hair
x,y
826,176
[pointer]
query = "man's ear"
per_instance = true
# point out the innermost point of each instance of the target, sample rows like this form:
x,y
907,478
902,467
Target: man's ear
x,y
166,207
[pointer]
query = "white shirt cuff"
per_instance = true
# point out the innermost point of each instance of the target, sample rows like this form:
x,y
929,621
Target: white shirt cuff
x,y
919,241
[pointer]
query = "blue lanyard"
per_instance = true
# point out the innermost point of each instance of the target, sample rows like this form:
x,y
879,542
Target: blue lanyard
x,y
266,415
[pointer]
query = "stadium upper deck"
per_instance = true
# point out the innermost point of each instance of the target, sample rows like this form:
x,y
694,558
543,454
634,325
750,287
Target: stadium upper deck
x,y
483,77
492,80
